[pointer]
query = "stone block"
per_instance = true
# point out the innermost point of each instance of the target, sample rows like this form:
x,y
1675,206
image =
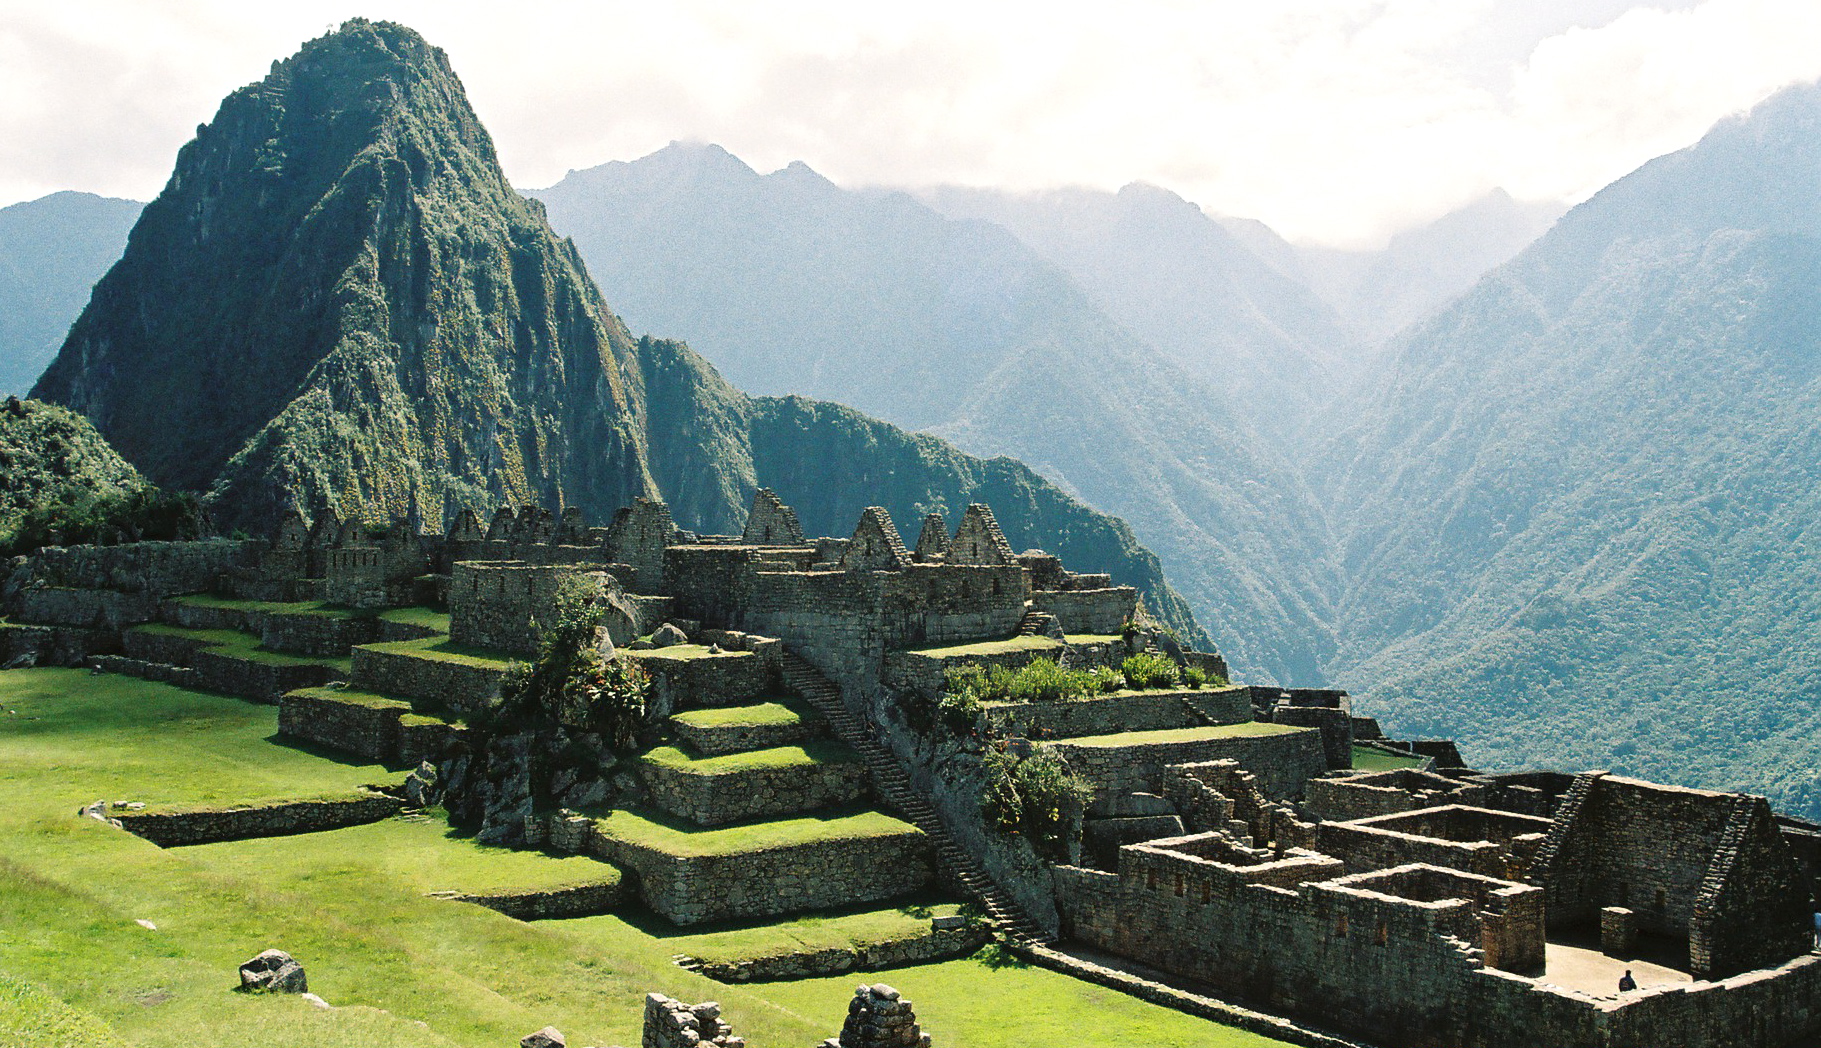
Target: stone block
x,y
1618,931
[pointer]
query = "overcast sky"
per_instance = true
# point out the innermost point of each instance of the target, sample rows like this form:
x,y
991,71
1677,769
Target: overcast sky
x,y
1337,121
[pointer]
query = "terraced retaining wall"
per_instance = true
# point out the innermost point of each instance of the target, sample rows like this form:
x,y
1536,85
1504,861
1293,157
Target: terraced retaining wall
x,y
933,945
581,900
1281,763
716,800
731,678
54,645
364,726
450,682
1133,711
740,738
692,889
171,829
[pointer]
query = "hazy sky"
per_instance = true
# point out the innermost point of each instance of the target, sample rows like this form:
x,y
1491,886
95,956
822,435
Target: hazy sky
x,y
1332,120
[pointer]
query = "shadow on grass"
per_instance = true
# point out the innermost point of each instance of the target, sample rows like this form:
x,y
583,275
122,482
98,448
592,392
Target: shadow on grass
x,y
336,756
996,956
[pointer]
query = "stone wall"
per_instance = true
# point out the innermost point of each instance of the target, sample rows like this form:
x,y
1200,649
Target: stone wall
x,y
1102,611
1348,797
741,738
692,889
921,672
1281,763
935,944
364,725
1490,843
670,1023
452,683
257,679
715,800
686,676
1123,711
497,606
543,904
171,829
53,645
160,569
307,633
92,608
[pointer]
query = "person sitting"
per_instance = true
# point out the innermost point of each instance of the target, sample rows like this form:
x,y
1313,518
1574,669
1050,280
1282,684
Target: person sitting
x,y
1626,982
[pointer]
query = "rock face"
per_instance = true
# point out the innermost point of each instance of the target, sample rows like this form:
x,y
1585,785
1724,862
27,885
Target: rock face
x,y
273,971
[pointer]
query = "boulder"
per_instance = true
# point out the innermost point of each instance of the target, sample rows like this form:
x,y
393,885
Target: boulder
x,y
548,1037
667,634
273,971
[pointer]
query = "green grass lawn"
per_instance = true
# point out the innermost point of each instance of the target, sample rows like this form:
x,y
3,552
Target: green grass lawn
x,y
403,970
210,600
445,650
1365,758
429,618
991,647
866,925
680,838
758,715
1218,731
806,755
1092,638
246,646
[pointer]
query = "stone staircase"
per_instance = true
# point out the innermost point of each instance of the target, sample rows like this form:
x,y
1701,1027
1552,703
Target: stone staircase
x,y
895,790
1035,624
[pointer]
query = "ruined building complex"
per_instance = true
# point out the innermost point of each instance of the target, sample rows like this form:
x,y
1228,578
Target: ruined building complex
x,y
1231,847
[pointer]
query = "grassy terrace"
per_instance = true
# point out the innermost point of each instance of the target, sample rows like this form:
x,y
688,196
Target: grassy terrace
x,y
1218,731
403,970
806,755
422,854
1092,638
370,699
687,652
416,616
1365,758
990,647
240,645
445,650
428,618
675,837
824,930
758,715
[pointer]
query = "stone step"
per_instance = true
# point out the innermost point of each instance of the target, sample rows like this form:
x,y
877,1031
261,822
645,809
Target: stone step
x,y
780,780
742,729
376,727
460,679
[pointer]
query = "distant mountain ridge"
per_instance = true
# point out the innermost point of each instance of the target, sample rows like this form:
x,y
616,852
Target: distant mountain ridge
x,y
1584,494
957,328
51,252
338,304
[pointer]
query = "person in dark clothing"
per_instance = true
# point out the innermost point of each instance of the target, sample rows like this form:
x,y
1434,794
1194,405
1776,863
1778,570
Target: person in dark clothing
x,y
1626,982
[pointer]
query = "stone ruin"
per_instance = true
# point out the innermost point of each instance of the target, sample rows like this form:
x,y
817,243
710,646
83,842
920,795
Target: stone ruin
x,y
878,1017
1229,842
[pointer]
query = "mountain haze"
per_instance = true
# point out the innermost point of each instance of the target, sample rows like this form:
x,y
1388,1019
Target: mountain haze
x,y
52,250
338,303
1584,494
957,328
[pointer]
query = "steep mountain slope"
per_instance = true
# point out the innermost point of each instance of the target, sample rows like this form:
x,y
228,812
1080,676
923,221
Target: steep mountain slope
x,y
792,285
338,303
52,250
1585,492
1167,272
51,455
1378,293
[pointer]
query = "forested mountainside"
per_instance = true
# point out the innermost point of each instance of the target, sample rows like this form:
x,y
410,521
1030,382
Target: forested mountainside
x,y
51,455
1581,501
793,285
338,303
52,250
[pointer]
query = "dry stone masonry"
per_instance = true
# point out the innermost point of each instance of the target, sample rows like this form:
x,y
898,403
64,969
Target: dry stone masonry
x,y
1226,839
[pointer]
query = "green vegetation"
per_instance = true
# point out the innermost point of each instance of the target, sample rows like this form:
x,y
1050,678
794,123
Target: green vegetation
x,y
758,715
1365,758
238,645
429,618
1040,680
1035,796
1217,731
442,649
351,905
664,834
368,699
806,933
1149,670
570,683
807,754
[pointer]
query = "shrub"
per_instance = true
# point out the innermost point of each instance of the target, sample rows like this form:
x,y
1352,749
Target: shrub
x,y
1041,680
1107,679
1034,796
1193,677
569,682
145,513
1149,670
958,713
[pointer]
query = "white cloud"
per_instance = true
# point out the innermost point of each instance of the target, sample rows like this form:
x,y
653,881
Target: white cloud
x,y
1330,119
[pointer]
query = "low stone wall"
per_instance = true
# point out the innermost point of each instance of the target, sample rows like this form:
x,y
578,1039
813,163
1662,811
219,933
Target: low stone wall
x,y
363,725
743,738
693,889
932,945
104,609
160,569
304,633
155,646
447,683
1088,611
162,672
423,738
715,800
1281,763
691,679
53,645
207,616
1124,711
172,829
580,900
254,679
921,672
